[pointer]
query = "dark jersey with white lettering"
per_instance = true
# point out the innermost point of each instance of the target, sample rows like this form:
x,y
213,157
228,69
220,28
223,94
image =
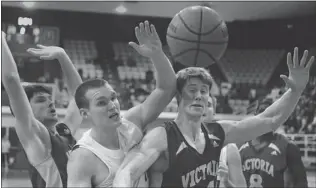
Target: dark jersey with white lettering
x,y
187,167
265,167
52,172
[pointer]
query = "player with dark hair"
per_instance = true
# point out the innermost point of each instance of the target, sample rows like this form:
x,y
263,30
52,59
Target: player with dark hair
x,y
103,147
270,157
45,140
187,149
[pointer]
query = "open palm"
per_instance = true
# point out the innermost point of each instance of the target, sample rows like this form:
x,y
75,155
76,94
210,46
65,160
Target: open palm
x,y
46,52
298,70
148,39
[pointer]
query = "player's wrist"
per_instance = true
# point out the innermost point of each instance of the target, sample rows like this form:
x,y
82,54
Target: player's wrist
x,y
159,54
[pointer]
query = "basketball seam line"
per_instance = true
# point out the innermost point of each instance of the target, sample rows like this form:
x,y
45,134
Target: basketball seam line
x,y
199,38
192,31
192,49
194,41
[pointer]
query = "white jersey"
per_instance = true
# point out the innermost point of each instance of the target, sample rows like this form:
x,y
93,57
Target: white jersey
x,y
111,158
129,136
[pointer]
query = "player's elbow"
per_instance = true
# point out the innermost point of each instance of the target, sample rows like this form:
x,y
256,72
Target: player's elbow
x,y
10,78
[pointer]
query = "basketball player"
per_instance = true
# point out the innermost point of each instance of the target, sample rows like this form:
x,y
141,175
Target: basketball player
x,y
230,172
270,157
36,118
99,153
189,150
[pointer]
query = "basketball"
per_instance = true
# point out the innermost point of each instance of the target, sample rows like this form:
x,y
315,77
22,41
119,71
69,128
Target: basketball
x,y
197,36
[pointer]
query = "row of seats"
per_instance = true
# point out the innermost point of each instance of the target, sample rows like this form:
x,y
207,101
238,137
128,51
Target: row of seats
x,y
82,53
250,66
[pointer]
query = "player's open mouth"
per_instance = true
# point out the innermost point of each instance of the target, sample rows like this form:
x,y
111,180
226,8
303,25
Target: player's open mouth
x,y
114,116
197,105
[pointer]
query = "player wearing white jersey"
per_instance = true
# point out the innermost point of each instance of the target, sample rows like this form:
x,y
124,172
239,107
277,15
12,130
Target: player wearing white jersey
x,y
112,134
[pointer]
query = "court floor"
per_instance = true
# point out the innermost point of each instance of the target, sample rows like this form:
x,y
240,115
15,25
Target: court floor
x,y
20,179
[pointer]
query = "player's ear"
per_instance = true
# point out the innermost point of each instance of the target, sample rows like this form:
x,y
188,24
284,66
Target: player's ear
x,y
84,113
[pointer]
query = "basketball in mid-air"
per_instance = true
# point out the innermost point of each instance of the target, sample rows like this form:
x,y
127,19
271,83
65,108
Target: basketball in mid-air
x,y
197,36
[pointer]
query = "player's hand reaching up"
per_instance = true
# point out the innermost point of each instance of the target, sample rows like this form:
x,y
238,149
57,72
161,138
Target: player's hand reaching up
x,y
148,39
46,52
298,71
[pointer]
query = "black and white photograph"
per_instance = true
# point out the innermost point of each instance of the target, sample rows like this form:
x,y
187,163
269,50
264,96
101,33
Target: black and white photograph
x,y
191,94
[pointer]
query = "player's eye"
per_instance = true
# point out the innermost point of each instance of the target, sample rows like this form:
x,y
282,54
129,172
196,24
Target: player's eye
x,y
101,103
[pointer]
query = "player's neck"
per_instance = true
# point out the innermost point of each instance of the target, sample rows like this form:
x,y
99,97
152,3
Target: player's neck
x,y
50,124
106,137
189,125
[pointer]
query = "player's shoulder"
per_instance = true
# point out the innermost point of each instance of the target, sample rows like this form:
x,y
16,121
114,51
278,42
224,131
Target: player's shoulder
x,y
244,146
82,159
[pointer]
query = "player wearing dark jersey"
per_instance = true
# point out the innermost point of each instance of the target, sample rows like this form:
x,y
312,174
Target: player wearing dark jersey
x,y
182,146
267,158
36,119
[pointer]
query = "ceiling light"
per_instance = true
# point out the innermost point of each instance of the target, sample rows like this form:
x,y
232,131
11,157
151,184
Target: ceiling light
x,y
28,4
120,9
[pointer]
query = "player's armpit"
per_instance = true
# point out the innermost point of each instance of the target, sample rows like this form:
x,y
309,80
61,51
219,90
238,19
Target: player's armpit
x,y
246,129
80,168
296,167
235,167
141,157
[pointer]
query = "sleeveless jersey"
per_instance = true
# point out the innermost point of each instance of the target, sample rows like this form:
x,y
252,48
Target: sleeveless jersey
x,y
52,172
265,167
187,167
111,158
129,136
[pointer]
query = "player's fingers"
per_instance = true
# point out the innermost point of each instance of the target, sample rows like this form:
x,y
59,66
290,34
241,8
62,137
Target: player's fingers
x,y
137,33
41,46
303,59
310,62
142,28
295,58
34,52
154,32
289,60
147,29
134,45
45,57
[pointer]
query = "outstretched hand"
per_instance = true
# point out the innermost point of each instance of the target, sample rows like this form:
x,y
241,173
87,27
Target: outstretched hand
x,y
298,71
148,39
46,52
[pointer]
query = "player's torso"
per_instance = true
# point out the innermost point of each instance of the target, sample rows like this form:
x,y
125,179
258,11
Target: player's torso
x,y
187,167
265,167
43,175
107,160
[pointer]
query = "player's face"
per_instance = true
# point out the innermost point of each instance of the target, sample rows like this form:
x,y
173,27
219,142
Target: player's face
x,y
43,107
104,108
210,111
194,97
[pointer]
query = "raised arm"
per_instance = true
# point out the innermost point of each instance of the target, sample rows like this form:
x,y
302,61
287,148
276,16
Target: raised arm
x,y
32,134
150,46
140,158
71,77
276,114
80,173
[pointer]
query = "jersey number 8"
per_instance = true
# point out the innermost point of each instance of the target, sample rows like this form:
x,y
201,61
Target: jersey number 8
x,y
255,181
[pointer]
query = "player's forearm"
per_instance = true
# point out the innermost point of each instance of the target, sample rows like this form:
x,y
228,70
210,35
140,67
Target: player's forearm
x,y
165,75
71,75
281,109
8,64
